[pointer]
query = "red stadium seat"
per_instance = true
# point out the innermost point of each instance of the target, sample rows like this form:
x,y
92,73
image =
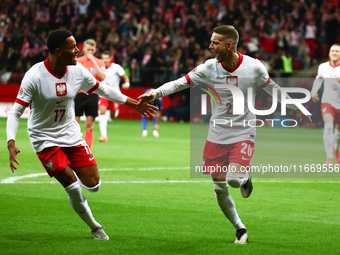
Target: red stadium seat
x,y
297,64
16,78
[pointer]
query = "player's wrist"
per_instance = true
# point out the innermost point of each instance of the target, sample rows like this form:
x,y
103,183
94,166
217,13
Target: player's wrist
x,y
153,95
10,143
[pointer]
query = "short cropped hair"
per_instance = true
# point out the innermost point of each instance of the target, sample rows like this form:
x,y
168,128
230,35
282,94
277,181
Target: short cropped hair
x,y
106,52
56,38
90,42
228,32
335,44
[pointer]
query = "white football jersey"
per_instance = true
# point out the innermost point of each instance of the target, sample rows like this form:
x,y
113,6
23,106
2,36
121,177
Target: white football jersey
x,y
248,73
330,76
51,120
113,75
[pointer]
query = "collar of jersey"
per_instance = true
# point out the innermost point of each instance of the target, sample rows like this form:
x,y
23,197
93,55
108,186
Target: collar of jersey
x,y
240,59
48,67
331,64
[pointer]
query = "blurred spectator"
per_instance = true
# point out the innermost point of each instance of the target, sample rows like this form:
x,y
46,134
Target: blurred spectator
x,y
310,36
82,6
294,41
276,64
304,54
253,44
269,44
287,63
282,40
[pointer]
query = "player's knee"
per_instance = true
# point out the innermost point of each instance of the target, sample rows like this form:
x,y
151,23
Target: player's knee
x,y
95,187
234,182
220,188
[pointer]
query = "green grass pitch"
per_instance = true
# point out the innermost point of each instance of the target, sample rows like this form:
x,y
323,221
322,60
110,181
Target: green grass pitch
x,y
145,212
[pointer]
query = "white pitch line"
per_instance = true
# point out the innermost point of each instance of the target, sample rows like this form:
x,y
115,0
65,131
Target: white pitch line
x,y
16,178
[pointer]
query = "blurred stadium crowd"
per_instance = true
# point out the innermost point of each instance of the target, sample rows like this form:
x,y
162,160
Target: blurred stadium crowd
x,y
156,40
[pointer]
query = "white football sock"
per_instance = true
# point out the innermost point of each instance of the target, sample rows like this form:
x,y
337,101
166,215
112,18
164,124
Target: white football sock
x,y
236,180
337,140
328,139
227,205
103,125
80,205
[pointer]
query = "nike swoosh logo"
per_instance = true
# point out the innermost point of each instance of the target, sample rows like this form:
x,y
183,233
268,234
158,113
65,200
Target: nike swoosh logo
x,y
83,211
91,158
245,158
60,102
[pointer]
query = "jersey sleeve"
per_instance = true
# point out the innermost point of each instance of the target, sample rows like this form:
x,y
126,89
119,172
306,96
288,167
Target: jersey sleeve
x,y
110,93
25,93
120,70
13,120
191,79
171,87
262,78
318,81
24,98
196,75
90,84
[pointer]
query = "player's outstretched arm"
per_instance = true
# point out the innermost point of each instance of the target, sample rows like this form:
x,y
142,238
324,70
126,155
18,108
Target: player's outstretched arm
x,y
13,151
164,90
143,108
117,97
146,98
11,130
316,86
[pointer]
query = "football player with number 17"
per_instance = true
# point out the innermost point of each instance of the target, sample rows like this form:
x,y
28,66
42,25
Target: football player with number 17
x,y
49,88
329,75
226,146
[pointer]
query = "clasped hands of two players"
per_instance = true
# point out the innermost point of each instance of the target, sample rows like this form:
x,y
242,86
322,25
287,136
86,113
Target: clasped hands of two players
x,y
144,108
147,97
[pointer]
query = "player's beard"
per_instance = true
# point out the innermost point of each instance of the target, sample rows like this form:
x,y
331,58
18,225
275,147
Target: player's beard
x,y
222,56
